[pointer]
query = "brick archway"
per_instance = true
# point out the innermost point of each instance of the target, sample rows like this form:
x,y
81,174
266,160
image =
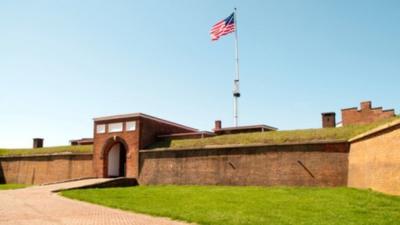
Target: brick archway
x,y
107,148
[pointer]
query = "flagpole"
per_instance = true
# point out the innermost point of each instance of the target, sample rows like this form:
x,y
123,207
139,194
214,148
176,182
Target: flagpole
x,y
236,91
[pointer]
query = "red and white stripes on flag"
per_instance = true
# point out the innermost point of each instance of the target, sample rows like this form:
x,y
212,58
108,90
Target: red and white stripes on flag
x,y
223,27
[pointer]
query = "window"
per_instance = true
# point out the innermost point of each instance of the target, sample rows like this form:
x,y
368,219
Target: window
x,y
131,126
101,129
115,127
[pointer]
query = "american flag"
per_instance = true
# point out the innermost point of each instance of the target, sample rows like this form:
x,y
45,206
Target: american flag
x,y
223,27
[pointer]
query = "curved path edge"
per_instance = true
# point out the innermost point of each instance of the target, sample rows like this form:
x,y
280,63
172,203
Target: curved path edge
x,y
38,205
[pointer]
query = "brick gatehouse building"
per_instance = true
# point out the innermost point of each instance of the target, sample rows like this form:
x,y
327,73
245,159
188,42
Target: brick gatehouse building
x,y
118,139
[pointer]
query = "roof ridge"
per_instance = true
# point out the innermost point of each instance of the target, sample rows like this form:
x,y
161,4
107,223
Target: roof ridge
x,y
143,115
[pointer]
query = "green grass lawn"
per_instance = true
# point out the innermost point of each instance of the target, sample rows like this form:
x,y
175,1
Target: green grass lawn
x,y
47,150
274,137
11,186
250,205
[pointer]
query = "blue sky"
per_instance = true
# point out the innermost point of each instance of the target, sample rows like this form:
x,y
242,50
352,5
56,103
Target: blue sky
x,y
64,62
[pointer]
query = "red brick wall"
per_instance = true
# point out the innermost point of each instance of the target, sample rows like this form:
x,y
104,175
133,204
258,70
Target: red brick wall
x,y
45,169
365,115
374,162
298,165
150,129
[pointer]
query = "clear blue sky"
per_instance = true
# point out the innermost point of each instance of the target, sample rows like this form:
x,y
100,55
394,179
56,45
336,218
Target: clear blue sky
x,y
64,62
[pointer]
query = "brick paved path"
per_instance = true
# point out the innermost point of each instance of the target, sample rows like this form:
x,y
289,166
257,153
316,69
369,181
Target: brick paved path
x,y
38,205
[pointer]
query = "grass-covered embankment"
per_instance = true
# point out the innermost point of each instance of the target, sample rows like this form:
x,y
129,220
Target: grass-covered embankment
x,y
274,137
47,150
11,186
215,205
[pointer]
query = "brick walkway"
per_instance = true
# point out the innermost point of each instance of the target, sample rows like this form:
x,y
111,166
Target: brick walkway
x,y
38,205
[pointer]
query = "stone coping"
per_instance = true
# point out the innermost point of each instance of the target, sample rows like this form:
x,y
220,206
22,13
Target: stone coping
x,y
45,155
376,130
244,146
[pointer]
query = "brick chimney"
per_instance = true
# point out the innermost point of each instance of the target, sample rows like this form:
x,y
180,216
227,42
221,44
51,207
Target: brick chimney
x,y
366,105
218,125
328,120
38,143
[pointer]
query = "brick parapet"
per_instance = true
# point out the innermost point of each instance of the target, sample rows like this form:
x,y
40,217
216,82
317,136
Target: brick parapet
x,y
44,155
311,164
46,168
238,146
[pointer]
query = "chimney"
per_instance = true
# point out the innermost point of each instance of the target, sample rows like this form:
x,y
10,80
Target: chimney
x,y
38,143
328,120
218,125
366,105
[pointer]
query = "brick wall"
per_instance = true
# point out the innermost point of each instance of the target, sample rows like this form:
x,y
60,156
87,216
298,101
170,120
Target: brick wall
x,y
150,129
374,161
323,164
45,169
365,115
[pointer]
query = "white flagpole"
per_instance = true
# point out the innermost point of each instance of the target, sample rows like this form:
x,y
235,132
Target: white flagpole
x,y
236,90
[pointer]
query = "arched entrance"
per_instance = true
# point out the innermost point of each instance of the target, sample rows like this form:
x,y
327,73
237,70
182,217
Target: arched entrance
x,y
116,160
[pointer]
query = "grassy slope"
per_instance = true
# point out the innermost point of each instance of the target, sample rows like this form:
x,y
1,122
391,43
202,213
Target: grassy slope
x,y
47,150
274,137
215,205
11,186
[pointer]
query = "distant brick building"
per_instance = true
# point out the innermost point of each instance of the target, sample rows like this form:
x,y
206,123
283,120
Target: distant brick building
x,y
82,141
354,116
219,130
365,115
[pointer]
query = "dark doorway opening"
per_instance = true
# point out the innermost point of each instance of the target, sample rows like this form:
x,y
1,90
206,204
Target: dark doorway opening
x,y
122,161
116,163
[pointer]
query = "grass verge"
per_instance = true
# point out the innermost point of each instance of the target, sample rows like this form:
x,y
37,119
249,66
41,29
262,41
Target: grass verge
x,y
215,205
47,150
11,186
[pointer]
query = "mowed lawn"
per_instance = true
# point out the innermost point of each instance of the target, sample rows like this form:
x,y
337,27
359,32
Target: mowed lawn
x,y
250,205
11,186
